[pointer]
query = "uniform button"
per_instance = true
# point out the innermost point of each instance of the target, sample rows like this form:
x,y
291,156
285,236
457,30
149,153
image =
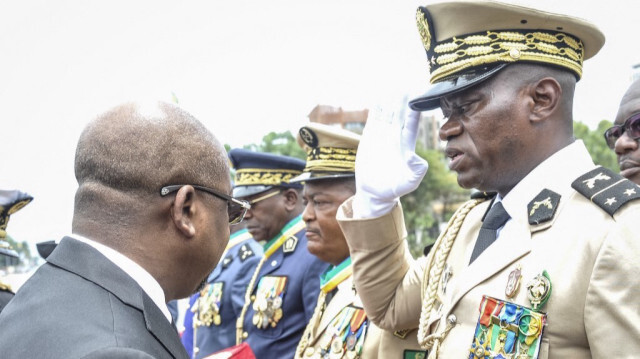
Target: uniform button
x,y
253,298
245,335
274,263
196,350
452,319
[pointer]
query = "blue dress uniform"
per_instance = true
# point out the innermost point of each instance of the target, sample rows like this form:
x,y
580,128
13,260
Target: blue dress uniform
x,y
284,287
282,296
215,309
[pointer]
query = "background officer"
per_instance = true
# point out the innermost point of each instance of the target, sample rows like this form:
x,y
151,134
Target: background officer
x,y
559,238
339,327
623,136
210,323
283,290
11,201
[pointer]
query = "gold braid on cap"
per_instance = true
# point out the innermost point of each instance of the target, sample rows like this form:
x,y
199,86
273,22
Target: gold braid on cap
x,y
331,159
453,56
458,54
266,177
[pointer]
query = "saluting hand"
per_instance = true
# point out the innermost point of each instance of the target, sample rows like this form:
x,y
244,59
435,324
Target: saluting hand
x,y
387,166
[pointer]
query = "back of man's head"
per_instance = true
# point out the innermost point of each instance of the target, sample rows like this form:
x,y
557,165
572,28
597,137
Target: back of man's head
x,y
124,157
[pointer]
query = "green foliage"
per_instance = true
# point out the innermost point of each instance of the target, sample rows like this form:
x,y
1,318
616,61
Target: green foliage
x,y
432,203
594,141
280,143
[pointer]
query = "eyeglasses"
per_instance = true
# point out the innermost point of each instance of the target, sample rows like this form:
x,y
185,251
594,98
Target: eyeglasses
x,y
262,198
631,126
236,208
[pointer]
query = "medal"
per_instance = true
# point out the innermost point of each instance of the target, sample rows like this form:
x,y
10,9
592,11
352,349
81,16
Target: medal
x,y
539,290
513,283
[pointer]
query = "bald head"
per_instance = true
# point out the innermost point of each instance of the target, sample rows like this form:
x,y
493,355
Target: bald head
x,y
128,153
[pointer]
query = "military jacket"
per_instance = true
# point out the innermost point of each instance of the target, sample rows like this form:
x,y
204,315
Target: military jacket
x,y
216,308
376,343
283,296
589,254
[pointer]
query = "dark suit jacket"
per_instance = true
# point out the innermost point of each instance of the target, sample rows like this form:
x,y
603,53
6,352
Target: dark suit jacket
x,y
81,305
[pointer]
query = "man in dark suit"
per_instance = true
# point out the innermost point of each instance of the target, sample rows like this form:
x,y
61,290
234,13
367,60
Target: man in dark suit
x,y
150,223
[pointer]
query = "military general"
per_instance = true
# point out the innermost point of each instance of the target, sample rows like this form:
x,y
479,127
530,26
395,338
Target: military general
x,y
283,289
546,266
340,327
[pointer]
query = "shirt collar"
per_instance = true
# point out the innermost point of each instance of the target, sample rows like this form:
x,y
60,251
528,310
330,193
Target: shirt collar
x,y
145,280
555,173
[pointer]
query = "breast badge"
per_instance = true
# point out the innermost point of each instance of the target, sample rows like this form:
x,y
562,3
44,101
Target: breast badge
x,y
513,283
539,290
507,330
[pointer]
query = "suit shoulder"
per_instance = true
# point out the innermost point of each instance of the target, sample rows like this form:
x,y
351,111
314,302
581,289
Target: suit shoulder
x,y
117,352
606,189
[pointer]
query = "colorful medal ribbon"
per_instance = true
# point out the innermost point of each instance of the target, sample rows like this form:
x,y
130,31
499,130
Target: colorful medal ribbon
x,y
206,308
335,275
268,303
294,226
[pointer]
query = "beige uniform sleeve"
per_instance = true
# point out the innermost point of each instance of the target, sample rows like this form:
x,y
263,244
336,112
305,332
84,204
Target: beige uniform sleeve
x,y
612,313
386,277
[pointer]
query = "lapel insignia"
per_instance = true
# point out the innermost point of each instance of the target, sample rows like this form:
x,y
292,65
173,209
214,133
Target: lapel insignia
x,y
539,290
402,334
543,207
513,283
591,182
227,261
608,190
245,252
290,244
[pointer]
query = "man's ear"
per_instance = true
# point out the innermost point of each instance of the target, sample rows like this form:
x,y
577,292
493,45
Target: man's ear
x,y
546,95
183,211
291,198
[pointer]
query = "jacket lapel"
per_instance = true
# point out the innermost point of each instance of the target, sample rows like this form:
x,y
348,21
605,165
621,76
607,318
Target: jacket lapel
x,y
86,262
505,250
160,328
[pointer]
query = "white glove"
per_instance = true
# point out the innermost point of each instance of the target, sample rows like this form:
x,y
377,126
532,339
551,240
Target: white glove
x,y
387,166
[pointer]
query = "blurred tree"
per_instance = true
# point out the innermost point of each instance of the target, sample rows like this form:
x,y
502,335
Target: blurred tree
x,y
594,141
432,203
281,143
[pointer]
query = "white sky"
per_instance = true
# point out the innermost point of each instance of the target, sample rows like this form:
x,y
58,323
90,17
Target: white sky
x,y
244,68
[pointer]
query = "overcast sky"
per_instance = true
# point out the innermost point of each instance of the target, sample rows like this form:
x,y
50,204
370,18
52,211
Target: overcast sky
x,y
244,68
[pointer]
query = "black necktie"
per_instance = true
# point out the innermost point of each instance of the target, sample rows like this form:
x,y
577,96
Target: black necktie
x,y
495,218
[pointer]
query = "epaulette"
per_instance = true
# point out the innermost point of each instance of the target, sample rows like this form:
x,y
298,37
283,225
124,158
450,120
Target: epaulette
x,y
483,195
608,190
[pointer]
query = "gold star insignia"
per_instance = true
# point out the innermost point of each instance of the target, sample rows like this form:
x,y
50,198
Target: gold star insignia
x,y
630,191
610,201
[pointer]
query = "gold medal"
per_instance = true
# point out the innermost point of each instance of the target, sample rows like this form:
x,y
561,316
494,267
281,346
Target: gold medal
x,y
217,320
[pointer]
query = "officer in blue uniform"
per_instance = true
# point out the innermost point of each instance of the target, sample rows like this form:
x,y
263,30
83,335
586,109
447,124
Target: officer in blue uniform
x,y
11,201
283,290
210,323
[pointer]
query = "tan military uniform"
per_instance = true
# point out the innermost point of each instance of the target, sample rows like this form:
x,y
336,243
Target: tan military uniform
x,y
377,343
593,261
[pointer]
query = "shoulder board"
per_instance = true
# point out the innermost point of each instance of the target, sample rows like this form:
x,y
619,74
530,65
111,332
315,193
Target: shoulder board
x,y
607,189
483,195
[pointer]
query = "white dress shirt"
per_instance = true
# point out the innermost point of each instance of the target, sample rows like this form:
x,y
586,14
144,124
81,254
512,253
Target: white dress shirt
x,y
134,270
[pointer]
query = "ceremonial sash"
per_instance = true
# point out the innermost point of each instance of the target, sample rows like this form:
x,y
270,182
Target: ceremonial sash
x,y
335,275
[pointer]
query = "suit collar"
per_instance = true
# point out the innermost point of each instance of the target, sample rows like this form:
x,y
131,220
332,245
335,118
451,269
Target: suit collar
x,y
85,261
